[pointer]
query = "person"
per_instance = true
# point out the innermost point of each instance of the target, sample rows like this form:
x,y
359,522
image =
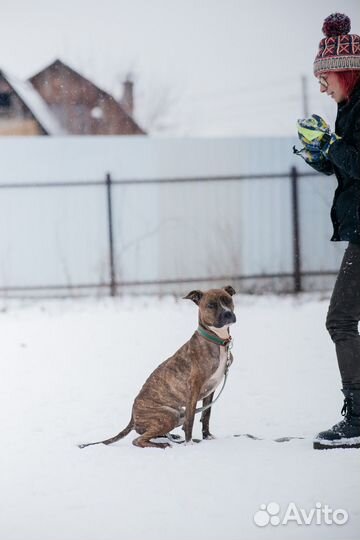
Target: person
x,y
337,67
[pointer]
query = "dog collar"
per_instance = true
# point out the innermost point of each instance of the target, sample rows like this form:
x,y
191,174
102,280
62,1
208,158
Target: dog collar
x,y
214,339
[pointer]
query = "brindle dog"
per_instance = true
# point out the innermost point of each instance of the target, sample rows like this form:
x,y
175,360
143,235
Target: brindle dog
x,y
169,396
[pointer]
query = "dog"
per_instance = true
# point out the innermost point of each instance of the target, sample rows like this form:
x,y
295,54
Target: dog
x,y
169,396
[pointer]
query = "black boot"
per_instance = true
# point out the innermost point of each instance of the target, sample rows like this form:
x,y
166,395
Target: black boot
x,y
345,434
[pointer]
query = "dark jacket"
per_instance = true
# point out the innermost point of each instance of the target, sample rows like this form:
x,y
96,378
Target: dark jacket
x,y
344,161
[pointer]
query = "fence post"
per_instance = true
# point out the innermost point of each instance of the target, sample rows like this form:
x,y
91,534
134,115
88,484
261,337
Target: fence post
x,y
111,236
295,229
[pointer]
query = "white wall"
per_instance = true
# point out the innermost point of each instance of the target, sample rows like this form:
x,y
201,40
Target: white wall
x,y
56,236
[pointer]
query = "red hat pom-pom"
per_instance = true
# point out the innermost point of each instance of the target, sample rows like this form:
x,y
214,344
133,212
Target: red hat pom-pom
x,y
336,24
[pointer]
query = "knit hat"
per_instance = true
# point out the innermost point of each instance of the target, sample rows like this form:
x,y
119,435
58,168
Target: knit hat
x,y
338,50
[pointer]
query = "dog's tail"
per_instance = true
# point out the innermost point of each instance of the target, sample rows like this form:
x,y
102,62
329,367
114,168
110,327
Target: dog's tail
x,y
117,437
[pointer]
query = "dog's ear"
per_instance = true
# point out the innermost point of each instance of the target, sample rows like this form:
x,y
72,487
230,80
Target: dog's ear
x,y
195,296
229,290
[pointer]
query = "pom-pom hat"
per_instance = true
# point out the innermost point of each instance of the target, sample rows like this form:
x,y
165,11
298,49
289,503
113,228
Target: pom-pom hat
x,y
338,50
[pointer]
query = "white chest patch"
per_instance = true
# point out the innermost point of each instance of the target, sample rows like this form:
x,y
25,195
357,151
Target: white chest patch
x,y
217,377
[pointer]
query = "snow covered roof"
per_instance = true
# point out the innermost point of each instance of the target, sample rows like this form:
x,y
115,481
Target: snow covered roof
x,y
36,105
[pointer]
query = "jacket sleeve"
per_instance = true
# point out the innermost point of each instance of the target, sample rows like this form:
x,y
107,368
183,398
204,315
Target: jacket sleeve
x,y
322,166
346,156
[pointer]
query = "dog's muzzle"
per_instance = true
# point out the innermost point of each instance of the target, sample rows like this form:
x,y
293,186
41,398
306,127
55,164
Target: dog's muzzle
x,y
227,317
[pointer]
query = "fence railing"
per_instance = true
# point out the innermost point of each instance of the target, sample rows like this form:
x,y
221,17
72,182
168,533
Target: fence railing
x,y
114,285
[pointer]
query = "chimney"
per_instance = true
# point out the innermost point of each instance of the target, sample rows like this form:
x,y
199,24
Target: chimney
x,y
127,99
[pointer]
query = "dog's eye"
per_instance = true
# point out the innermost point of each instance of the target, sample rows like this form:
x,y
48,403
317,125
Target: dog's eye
x,y
211,305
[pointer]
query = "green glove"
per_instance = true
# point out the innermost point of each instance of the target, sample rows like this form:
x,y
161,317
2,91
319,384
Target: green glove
x,y
312,129
309,156
315,134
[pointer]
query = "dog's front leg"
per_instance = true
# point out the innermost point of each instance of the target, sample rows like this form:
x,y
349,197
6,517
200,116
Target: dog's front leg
x,y
205,417
190,411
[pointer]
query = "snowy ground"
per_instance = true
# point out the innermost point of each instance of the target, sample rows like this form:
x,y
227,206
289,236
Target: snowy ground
x,y
70,370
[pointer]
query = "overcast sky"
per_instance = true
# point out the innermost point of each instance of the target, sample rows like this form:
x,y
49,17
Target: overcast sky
x,y
202,67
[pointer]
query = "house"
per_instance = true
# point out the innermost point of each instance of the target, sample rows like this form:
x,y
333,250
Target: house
x,y
60,101
23,111
80,106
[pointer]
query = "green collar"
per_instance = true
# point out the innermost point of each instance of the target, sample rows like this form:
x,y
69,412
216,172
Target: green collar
x,y
211,337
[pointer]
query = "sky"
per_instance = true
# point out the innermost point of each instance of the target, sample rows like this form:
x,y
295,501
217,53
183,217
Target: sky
x,y
201,67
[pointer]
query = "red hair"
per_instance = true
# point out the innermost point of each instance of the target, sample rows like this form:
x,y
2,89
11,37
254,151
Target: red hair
x,y
349,80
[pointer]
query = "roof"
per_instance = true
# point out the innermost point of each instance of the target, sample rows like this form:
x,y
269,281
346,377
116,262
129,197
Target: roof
x,y
59,64
35,104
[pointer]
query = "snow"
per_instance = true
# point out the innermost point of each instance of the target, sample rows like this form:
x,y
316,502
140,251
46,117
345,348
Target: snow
x,y
70,371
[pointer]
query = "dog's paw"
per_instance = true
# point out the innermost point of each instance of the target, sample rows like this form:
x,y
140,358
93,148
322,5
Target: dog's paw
x,y
208,437
192,442
163,445
174,437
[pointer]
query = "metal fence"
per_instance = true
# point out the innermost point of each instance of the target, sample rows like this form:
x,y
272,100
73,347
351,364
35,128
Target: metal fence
x,y
113,281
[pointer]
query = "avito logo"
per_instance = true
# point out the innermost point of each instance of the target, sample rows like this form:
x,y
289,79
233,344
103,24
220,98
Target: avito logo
x,y
319,515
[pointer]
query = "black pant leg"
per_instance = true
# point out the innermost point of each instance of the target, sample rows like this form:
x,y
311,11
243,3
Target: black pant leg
x,y
344,315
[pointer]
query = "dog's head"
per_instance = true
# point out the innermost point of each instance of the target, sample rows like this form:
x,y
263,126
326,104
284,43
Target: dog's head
x,y
216,306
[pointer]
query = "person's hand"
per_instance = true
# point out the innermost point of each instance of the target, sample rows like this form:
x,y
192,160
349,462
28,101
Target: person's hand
x,y
310,156
315,134
312,129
